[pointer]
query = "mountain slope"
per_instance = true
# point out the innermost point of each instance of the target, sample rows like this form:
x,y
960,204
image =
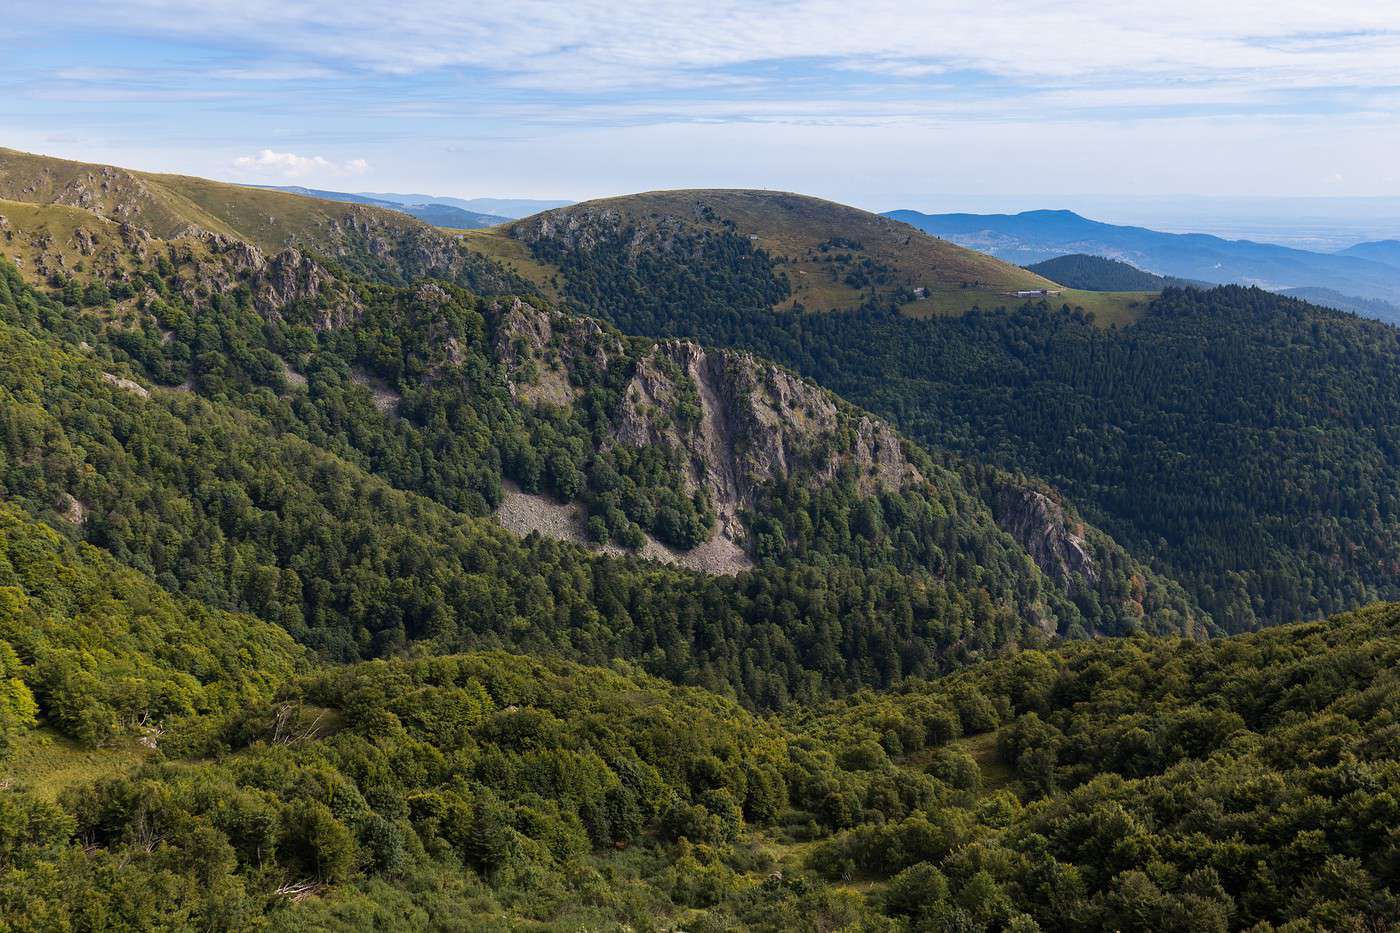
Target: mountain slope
x,y
373,241
102,655
1101,274
1033,236
1145,784
206,447
1197,436
1386,251
796,252
194,424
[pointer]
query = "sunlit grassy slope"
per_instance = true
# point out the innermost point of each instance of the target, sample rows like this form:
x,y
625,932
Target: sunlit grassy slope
x,y
835,257
168,205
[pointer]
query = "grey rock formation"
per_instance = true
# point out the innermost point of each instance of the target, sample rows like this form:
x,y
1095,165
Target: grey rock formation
x,y
1039,524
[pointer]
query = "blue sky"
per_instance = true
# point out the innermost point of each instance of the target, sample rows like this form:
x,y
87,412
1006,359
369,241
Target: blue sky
x,y
879,104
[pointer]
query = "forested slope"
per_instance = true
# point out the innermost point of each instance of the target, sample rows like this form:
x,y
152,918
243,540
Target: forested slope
x,y
363,530
1239,439
1134,785
269,661
1101,274
1244,783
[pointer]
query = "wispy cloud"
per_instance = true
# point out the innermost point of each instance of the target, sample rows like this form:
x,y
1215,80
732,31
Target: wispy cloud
x,y
359,78
292,166
588,44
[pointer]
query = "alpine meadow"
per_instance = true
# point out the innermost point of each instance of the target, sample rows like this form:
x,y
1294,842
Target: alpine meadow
x,y
712,557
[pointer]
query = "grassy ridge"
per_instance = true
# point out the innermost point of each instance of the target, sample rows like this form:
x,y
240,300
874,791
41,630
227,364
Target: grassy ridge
x,y
168,205
834,257
374,242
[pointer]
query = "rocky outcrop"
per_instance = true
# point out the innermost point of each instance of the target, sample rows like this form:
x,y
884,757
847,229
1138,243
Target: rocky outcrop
x,y
377,243
579,228
397,248
126,385
110,192
287,278
526,513
539,349
740,423
1040,526
72,509
735,422
583,227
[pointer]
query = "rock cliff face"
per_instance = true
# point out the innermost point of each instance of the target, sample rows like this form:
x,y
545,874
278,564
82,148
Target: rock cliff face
x,y
1039,524
582,228
540,349
380,244
741,423
736,422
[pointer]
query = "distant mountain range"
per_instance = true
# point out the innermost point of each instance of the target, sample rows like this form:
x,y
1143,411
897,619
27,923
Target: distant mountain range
x,y
1101,274
432,211
442,211
1330,298
509,208
1386,251
1367,270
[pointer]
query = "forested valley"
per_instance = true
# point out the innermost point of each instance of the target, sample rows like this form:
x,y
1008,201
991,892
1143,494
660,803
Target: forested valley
x,y
269,661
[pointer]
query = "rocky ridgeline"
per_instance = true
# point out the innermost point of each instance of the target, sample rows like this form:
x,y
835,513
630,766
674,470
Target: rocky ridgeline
x,y
583,227
373,242
109,192
399,249
288,277
540,349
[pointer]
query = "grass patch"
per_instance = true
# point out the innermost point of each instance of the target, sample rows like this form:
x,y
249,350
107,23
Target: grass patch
x,y
494,243
47,763
1109,308
983,749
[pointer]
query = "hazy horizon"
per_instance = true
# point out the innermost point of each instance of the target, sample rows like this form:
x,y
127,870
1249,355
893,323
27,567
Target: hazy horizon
x,y
542,100
1318,223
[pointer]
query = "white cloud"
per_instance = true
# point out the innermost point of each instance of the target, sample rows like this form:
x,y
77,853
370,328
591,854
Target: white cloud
x,y
589,95
591,44
290,165
1130,53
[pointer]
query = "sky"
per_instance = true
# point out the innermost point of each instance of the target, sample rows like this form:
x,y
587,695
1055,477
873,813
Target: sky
x,y
927,105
